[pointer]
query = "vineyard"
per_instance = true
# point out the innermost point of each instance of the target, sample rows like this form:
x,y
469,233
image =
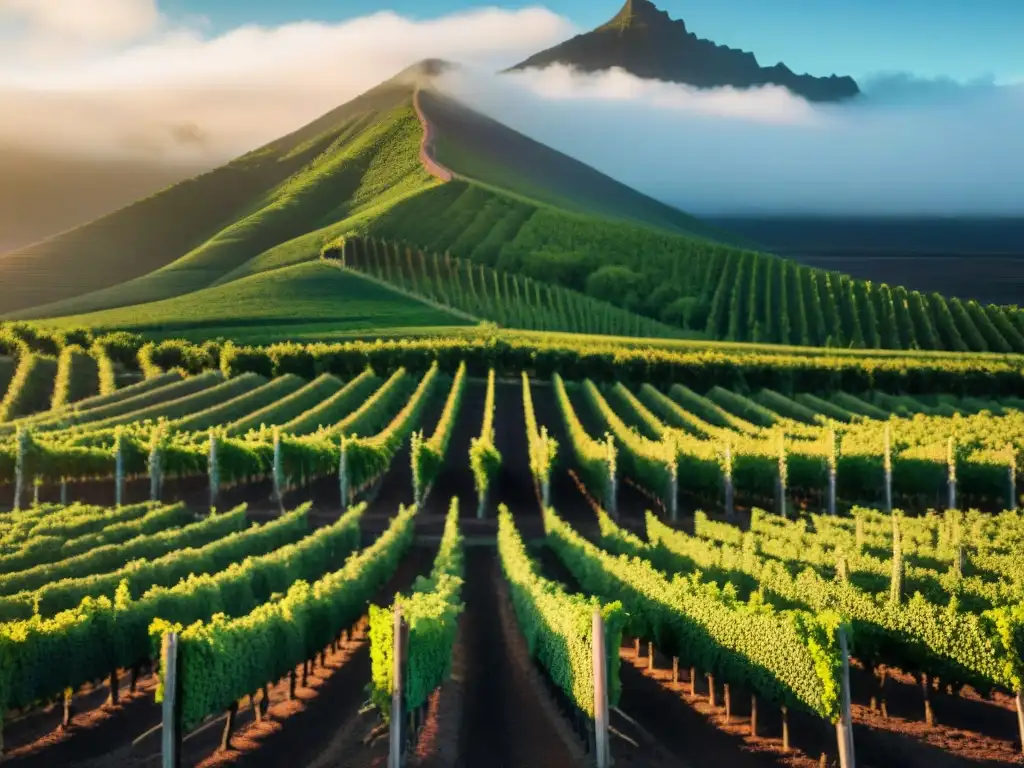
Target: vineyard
x,y
346,554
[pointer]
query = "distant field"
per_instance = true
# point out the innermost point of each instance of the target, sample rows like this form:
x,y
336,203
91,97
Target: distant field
x,y
972,258
285,303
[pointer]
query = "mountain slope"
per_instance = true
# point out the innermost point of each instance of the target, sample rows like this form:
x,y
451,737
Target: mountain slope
x,y
291,300
483,150
526,210
186,237
645,41
43,193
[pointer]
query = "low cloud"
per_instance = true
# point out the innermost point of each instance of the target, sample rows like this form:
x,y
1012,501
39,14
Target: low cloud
x,y
59,29
134,84
170,92
908,146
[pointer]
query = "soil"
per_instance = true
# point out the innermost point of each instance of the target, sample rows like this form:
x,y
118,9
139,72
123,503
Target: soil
x,y
498,708
506,722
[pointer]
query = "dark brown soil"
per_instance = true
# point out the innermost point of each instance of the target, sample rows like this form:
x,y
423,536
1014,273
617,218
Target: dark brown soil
x,y
505,722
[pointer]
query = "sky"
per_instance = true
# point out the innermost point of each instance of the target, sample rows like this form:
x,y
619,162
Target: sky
x,y
962,39
184,81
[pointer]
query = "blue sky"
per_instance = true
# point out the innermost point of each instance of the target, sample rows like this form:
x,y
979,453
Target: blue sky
x,y
962,39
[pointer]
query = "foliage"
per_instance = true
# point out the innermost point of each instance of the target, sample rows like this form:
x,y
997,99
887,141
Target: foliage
x,y
225,658
31,389
78,377
484,458
543,447
427,454
484,293
558,626
431,612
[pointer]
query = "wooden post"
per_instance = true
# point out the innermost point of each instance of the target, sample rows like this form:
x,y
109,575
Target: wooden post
x,y
1011,472
1020,718
229,727
711,691
753,715
675,669
119,468
600,666
785,728
951,460
293,679
214,470
887,463
728,704
114,694
343,473
397,688
832,492
278,471
674,495
171,733
693,681
844,726
65,722
19,467
783,477
155,466
650,655
730,491
613,480
929,715
636,647
63,491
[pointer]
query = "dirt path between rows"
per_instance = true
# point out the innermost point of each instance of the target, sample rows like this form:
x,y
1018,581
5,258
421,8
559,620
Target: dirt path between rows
x,y
431,165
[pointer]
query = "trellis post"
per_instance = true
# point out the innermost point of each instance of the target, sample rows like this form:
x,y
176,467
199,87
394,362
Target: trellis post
x,y
397,688
1012,476
887,463
780,487
214,469
171,732
19,467
833,463
156,465
1020,718
343,472
600,662
673,490
844,728
278,471
119,467
730,491
951,464
613,480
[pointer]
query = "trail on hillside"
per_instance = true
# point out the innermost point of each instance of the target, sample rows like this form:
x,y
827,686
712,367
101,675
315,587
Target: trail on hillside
x,y
433,167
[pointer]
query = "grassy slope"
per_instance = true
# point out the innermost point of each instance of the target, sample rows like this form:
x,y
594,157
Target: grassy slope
x,y
197,232
313,293
516,205
480,149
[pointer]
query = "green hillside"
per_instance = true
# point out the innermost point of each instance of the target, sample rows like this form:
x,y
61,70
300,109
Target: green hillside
x,y
514,205
484,151
291,300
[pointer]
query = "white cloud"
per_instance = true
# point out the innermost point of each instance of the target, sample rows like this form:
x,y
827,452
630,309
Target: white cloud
x,y
238,90
61,28
908,147
172,91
